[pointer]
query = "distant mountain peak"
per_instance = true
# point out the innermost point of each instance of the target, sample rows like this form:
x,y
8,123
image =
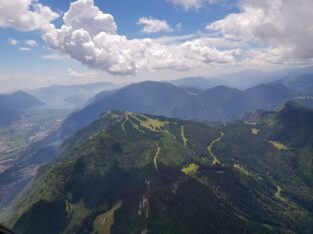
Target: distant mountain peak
x,y
19,100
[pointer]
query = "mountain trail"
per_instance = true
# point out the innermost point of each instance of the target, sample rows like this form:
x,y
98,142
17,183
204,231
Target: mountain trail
x,y
156,157
215,159
183,136
123,124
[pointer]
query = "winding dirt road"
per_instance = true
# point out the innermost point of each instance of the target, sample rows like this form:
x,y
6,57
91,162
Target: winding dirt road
x,y
215,159
156,157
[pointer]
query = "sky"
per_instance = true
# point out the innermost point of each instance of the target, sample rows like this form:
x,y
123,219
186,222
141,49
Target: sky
x,y
44,42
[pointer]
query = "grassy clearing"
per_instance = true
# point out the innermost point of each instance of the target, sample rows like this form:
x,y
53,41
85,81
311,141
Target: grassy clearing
x,y
104,222
242,170
146,122
245,172
251,123
149,123
215,159
191,169
183,136
114,116
77,213
278,194
278,145
255,131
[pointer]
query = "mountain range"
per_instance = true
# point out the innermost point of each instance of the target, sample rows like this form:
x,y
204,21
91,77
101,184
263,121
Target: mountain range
x,y
240,80
216,104
71,96
247,79
183,177
303,83
19,100
251,172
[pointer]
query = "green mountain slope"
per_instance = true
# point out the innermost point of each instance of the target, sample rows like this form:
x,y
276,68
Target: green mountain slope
x,y
134,173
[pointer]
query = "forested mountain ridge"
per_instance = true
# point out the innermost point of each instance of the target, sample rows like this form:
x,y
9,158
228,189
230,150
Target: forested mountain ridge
x,y
183,177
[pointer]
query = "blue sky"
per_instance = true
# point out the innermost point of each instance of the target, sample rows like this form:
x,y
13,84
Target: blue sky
x,y
125,13
212,37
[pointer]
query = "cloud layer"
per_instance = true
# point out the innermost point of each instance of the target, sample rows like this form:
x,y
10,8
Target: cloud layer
x,y
262,32
283,28
25,15
90,36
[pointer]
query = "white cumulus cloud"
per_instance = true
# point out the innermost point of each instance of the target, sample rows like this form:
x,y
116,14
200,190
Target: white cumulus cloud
x,y
83,14
80,75
12,41
55,56
25,15
283,28
152,25
193,4
188,4
90,36
31,43
25,49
